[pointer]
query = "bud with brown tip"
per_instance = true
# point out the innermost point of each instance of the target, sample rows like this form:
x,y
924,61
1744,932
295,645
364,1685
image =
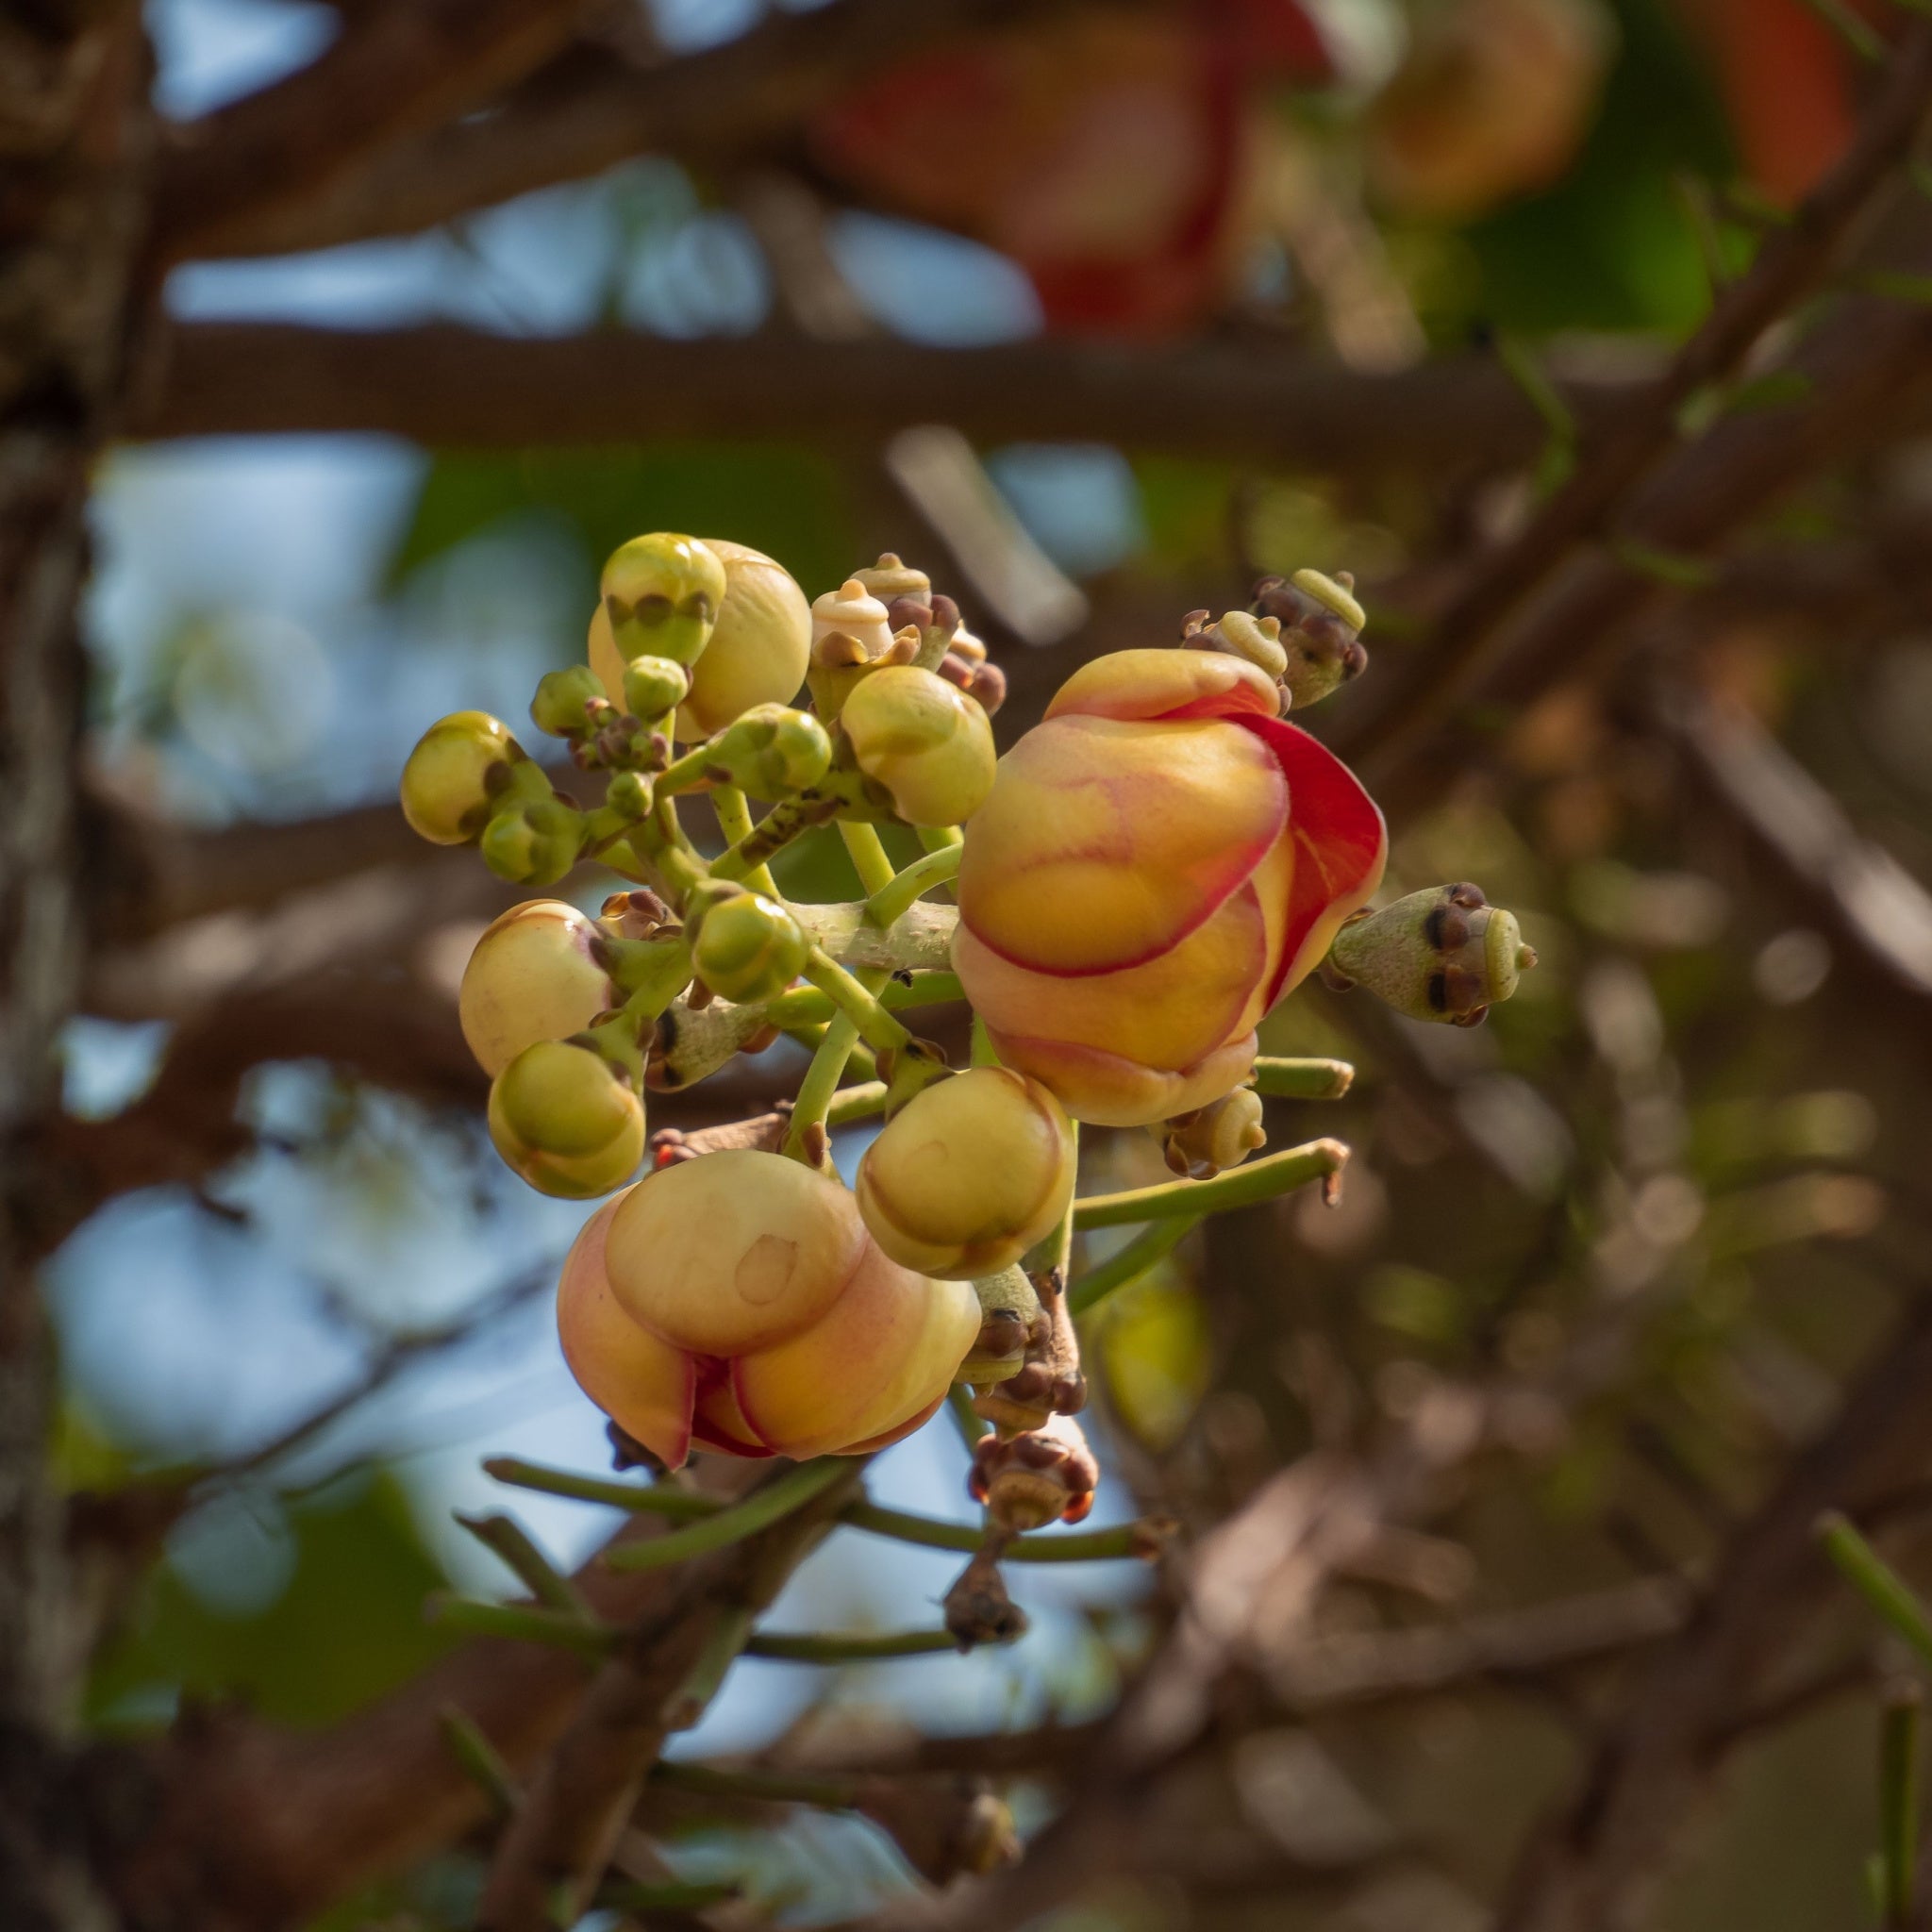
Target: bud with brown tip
x,y
1038,1476
1321,632
1444,953
1221,1135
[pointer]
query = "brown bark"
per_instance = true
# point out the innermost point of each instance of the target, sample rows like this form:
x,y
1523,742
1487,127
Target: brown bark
x,y
73,121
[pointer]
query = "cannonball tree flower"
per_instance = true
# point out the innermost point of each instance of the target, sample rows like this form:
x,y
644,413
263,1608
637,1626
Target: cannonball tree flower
x,y
537,973
737,1302
1158,862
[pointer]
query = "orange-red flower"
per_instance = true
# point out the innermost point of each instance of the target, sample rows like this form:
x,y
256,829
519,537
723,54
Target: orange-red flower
x,y
1158,864
737,1302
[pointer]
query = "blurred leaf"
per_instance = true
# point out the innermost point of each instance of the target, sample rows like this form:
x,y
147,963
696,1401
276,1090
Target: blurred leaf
x,y
1153,1343
1609,246
789,503
347,1627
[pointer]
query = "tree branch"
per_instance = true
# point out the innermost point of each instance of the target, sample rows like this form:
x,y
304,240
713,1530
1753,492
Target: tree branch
x,y
398,71
1471,640
584,113
459,387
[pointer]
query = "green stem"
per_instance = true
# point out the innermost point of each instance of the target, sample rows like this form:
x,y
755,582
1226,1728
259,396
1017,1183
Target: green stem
x,y
1136,1539
730,1632
936,838
660,841
813,1105
640,1499
791,819
966,1419
869,858
686,774
805,1006
765,1787
1876,1581
1898,1802
1056,1250
507,1538
857,1002
985,1054
758,1511
1286,1080
894,898
521,1623
478,1758
1127,1264
734,820
856,1103
835,1649
1240,1187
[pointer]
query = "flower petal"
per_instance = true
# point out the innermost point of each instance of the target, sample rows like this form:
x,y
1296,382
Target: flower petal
x,y
1341,846
642,1383
1105,844
1167,684
1110,1092
886,1349
733,1252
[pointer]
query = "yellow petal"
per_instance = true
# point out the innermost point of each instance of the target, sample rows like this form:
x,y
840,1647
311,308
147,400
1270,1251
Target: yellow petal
x,y
645,1385
734,1251
1165,1012
1104,843
1157,684
886,1349
1110,1092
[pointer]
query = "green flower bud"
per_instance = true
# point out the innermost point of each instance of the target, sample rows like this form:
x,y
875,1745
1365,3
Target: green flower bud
x,y
1010,1313
533,841
662,594
747,948
1441,954
653,687
563,700
769,750
452,776
567,1121
1321,632
628,794
1241,635
1221,1135
926,742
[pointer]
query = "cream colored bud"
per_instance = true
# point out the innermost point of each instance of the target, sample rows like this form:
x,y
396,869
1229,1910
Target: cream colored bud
x,y
566,1121
448,782
852,611
534,976
969,1175
889,578
1221,1135
924,740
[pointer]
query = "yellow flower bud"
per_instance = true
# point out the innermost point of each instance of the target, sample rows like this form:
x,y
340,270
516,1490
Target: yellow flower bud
x,y
566,1121
652,685
924,740
969,1175
447,788
532,842
891,578
748,949
739,1301
566,699
1221,1135
534,976
759,646
662,594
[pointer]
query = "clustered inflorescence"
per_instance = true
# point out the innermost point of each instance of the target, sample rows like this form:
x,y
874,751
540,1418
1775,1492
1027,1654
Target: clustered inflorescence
x,y
1137,881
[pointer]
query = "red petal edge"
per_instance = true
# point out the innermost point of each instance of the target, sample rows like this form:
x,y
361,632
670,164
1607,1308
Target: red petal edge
x,y
1340,838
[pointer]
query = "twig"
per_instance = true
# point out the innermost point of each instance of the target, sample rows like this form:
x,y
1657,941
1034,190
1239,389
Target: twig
x,y
1469,636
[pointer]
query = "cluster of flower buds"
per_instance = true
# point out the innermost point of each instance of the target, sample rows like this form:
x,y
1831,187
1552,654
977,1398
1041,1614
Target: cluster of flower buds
x,y
1138,881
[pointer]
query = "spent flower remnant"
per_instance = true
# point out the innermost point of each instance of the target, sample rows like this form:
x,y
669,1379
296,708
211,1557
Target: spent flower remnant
x,y
1138,880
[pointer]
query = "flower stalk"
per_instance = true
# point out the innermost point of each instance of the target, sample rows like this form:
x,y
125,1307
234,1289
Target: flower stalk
x,y
1241,1187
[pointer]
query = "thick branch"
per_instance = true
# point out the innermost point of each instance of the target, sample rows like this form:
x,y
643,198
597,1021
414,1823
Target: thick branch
x,y
452,387
396,72
586,112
